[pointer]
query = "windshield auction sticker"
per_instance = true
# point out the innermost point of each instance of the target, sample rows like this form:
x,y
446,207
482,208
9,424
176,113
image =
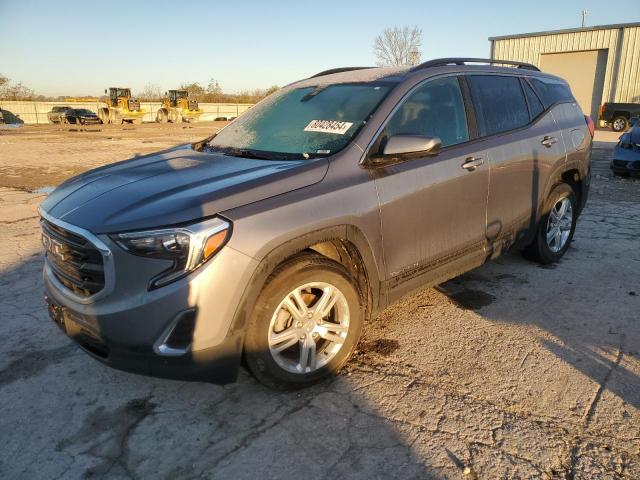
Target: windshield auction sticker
x,y
328,126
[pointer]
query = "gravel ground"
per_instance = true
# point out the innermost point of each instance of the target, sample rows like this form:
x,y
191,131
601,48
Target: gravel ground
x,y
510,371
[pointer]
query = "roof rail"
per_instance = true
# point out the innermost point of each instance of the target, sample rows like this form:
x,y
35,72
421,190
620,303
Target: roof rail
x,y
337,70
441,62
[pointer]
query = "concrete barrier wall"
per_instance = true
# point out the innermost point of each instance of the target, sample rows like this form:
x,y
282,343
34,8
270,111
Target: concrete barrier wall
x,y
36,112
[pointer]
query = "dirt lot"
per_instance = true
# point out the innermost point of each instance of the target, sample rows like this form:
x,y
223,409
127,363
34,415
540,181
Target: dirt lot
x,y
511,371
37,156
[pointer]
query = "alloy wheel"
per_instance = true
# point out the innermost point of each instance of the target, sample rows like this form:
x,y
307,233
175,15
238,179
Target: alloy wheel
x,y
309,327
559,224
618,124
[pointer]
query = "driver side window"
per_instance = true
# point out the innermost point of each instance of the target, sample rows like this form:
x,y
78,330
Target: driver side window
x,y
435,109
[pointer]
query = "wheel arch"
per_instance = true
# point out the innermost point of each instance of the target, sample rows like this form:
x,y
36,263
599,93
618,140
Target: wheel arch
x,y
345,244
576,176
621,113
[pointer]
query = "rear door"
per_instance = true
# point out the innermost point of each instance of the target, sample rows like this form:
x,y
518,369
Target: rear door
x,y
432,209
523,143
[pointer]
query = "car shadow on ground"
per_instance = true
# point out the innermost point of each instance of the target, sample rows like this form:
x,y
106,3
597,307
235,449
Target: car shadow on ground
x,y
585,332
118,423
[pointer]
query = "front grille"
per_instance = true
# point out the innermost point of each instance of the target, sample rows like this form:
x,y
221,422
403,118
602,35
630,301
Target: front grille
x,y
73,260
134,105
620,163
193,105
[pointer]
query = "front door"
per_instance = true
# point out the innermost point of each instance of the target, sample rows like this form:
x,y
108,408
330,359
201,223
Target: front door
x,y
433,209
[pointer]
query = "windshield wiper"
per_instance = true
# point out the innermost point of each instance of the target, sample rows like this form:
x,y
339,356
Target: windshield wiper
x,y
259,154
245,153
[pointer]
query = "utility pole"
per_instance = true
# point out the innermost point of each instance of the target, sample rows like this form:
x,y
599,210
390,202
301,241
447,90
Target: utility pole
x,y
584,18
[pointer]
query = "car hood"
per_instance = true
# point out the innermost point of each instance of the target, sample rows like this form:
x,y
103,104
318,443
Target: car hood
x,y
172,187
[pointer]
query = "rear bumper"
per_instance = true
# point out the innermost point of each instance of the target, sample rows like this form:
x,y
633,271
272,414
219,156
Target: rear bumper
x,y
132,115
191,113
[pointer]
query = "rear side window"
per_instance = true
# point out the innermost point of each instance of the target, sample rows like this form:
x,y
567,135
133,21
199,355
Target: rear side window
x,y
551,91
435,109
499,103
535,105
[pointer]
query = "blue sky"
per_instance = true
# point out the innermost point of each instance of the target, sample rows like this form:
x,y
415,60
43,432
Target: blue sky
x,y
81,47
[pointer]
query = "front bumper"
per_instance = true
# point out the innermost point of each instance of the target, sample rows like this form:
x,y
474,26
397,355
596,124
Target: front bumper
x,y
128,326
89,120
217,364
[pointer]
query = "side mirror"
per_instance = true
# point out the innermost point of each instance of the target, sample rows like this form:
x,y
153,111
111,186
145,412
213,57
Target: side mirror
x,y
405,147
105,91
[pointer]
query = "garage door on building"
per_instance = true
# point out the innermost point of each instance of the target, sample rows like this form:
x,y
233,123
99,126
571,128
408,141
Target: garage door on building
x,y
585,73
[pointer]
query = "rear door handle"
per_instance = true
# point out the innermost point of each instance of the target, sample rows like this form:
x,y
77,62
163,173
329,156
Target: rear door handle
x,y
472,163
548,141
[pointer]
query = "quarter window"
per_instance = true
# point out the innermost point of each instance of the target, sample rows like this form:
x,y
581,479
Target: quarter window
x,y
499,103
435,109
551,91
535,105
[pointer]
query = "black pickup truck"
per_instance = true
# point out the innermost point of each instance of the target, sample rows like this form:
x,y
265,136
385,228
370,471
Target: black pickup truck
x,y
618,115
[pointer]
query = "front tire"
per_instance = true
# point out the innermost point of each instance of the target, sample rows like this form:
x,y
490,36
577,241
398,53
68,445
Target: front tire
x,y
619,124
305,325
556,227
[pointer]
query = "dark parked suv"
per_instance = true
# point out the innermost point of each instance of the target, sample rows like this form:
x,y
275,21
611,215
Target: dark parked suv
x,y
275,239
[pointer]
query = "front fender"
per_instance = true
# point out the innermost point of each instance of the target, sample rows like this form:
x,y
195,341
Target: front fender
x,y
276,256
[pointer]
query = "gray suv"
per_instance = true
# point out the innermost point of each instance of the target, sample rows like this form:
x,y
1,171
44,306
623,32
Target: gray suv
x,y
274,241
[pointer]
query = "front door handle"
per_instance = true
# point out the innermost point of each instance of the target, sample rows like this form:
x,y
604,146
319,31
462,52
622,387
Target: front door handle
x,y
548,141
472,163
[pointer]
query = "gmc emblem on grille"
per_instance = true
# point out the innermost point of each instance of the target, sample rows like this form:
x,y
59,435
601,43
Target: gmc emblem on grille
x,y
53,247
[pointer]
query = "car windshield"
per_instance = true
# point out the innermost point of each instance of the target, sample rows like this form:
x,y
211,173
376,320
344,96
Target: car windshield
x,y
83,111
302,123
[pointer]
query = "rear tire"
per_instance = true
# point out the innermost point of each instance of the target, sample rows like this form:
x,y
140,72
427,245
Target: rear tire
x,y
556,227
289,345
619,124
161,116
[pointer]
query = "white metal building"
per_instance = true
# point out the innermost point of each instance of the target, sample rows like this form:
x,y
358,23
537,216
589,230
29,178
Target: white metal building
x,y
601,63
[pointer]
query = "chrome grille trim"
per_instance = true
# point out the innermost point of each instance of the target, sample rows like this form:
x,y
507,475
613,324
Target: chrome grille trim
x,y
99,245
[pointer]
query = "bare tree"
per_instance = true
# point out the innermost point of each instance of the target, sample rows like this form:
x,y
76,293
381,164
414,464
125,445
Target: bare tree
x,y
151,93
14,91
398,46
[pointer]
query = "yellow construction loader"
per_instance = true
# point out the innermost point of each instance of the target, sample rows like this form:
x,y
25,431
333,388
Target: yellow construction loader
x,y
121,107
177,106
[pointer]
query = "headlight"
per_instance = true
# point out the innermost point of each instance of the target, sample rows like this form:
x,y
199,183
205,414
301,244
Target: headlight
x,y
188,247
